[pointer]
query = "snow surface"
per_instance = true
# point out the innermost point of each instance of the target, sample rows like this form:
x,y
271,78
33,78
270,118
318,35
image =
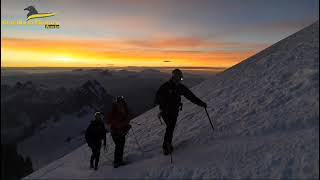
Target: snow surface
x,y
266,116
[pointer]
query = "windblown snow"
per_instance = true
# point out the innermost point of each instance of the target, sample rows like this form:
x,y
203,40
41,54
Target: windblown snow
x,y
265,111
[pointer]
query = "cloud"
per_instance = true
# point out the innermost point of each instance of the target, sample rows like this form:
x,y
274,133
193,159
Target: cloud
x,y
180,51
185,44
193,42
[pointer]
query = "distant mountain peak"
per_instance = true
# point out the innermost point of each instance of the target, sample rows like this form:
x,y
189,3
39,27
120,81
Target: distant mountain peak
x,y
151,71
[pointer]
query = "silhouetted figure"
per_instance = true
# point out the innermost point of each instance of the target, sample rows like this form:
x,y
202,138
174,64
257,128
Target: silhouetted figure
x,y
118,122
94,134
169,99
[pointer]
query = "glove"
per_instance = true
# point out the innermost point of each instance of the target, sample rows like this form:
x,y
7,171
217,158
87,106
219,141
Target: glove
x,y
129,127
204,105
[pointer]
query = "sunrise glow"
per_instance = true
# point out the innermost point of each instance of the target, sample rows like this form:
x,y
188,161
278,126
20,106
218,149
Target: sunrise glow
x,y
147,33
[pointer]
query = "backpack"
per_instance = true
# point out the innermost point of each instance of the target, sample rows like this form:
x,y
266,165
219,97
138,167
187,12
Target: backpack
x,y
88,134
168,97
94,133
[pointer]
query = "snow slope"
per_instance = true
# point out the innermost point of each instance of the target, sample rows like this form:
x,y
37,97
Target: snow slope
x,y
55,139
266,116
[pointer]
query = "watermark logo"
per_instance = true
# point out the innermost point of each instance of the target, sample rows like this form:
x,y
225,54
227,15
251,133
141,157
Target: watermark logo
x,y
33,13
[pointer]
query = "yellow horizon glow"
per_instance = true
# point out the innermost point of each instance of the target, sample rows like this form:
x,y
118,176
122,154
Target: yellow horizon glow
x,y
64,58
62,53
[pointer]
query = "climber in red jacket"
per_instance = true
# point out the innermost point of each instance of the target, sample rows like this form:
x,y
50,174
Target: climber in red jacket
x,y
118,123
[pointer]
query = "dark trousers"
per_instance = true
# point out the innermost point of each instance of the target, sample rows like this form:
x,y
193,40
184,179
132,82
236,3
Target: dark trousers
x,y
170,118
95,148
119,141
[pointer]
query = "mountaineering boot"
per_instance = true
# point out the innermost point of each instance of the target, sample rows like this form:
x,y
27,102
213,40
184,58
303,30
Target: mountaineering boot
x,y
96,163
120,163
165,151
167,148
116,164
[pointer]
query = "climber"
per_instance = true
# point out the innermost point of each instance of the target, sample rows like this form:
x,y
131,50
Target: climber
x,y
118,123
94,134
168,97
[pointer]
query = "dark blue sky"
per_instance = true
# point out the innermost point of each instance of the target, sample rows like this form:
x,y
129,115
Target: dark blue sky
x,y
203,18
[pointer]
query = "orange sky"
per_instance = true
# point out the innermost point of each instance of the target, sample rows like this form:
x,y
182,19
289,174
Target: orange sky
x,y
85,53
95,33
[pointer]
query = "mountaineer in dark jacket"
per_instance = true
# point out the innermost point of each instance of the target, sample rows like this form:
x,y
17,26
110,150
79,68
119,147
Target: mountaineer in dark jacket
x,y
169,99
94,134
118,121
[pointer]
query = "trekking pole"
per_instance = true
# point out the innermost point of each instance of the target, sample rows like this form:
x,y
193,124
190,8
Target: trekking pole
x,y
160,120
209,119
135,137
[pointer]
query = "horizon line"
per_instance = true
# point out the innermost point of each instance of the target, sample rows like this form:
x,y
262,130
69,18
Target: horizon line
x,y
158,67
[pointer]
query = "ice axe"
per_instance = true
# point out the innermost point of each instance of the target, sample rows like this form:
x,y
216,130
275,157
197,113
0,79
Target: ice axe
x,y
159,117
209,118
